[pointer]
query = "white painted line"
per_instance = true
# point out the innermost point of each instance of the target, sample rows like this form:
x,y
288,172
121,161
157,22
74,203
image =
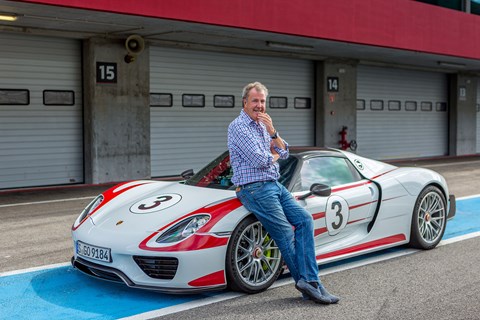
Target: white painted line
x,y
42,202
449,164
469,197
185,306
41,268
460,238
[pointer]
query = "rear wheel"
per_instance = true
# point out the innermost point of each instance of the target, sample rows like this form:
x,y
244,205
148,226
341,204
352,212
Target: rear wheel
x,y
253,260
429,219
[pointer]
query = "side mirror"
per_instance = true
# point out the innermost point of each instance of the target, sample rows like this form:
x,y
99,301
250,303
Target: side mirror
x,y
317,189
187,174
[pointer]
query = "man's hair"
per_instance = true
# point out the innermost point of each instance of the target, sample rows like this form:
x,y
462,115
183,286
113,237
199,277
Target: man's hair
x,y
257,85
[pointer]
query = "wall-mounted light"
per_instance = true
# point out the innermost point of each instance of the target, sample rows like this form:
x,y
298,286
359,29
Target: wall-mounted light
x,y
451,64
290,46
8,16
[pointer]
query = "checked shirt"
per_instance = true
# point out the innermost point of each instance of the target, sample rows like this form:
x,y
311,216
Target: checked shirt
x,y
250,155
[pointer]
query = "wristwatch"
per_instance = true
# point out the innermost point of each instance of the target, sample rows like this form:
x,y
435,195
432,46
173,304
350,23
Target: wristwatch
x,y
275,135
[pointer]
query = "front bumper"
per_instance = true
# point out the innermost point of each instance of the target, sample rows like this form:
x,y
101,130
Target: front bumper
x,y
115,275
452,207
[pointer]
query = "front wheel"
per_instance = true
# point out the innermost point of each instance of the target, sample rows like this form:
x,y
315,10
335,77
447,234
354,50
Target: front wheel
x,y
429,219
253,261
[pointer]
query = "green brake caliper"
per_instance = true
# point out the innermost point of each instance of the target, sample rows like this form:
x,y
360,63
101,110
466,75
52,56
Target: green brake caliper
x,y
266,253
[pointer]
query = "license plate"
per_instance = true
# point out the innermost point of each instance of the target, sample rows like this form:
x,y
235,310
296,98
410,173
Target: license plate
x,y
93,252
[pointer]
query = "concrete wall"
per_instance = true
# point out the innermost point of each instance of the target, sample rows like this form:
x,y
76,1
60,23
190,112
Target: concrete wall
x,y
335,109
116,115
462,114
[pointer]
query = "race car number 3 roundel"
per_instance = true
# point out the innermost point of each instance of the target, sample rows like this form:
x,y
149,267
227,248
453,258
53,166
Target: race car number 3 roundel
x,y
155,203
336,214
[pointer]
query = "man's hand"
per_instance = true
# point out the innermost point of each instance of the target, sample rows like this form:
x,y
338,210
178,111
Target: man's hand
x,y
267,121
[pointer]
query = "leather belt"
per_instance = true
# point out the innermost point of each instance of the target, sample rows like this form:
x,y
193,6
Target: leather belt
x,y
240,187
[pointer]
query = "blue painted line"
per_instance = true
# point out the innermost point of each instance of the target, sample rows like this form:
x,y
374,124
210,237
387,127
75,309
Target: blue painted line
x,y
65,293
466,220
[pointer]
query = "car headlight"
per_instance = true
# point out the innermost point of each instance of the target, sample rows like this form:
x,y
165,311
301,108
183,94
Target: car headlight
x,y
183,229
91,207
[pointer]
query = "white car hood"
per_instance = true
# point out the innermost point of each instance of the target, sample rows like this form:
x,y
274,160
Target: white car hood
x,y
146,206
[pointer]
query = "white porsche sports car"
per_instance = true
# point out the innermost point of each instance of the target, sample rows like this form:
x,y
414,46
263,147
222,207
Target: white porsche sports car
x,y
195,235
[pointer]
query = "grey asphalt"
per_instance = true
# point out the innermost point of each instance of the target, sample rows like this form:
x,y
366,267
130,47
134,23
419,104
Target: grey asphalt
x,y
439,284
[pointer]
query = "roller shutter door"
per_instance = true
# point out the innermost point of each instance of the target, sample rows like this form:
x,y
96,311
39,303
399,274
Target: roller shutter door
x,y
478,115
189,137
401,113
41,142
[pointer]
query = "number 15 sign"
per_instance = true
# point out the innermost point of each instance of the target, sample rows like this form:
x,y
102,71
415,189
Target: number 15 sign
x,y
106,72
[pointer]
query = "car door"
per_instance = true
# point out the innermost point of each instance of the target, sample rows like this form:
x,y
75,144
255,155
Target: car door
x,y
341,219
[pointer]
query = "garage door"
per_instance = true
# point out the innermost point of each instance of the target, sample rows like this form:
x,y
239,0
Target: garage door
x,y
401,113
195,95
40,111
478,115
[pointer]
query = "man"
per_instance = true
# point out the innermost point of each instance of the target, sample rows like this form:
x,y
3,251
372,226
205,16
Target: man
x,y
255,146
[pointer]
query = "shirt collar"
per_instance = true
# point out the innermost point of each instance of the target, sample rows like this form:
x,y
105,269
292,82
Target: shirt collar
x,y
245,117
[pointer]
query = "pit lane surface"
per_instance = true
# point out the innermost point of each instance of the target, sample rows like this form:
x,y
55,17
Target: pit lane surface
x,y
429,284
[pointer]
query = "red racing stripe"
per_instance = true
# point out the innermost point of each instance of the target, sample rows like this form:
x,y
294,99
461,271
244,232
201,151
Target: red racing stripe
x,y
361,183
212,279
353,221
319,231
337,189
319,215
111,193
362,204
381,174
199,240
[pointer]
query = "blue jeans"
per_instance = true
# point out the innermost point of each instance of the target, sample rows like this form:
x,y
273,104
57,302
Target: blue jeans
x,y
278,211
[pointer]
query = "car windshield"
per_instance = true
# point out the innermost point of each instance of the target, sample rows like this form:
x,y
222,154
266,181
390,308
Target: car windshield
x,y
218,173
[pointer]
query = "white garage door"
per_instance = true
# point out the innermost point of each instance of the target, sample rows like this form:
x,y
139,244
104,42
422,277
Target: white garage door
x,y
401,113
188,129
478,115
40,111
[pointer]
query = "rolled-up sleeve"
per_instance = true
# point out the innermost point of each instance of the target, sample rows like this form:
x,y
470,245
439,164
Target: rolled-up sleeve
x,y
281,152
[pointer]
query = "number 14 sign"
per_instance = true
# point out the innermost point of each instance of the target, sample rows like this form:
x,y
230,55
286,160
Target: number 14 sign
x,y
106,72
332,84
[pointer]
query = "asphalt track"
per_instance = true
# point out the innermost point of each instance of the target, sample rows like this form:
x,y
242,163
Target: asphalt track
x,y
60,292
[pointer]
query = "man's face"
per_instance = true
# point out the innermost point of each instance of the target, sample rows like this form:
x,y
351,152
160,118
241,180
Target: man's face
x,y
255,103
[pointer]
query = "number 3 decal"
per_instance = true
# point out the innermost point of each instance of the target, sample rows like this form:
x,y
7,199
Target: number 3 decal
x,y
156,203
336,214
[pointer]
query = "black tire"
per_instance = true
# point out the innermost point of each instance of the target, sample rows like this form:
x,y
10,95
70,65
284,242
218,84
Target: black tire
x,y
253,261
429,219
